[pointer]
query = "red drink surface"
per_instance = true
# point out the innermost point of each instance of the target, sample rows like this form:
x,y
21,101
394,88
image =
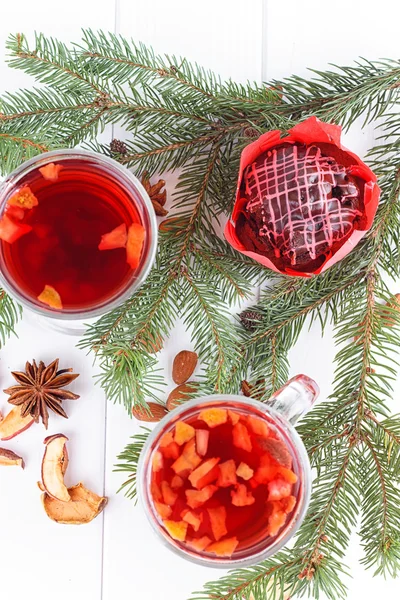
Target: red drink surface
x,y
62,251
263,451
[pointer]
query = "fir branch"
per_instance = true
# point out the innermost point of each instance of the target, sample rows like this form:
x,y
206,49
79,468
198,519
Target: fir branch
x,y
10,313
129,458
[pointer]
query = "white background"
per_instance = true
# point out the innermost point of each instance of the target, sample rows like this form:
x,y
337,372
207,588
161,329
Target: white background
x,y
115,557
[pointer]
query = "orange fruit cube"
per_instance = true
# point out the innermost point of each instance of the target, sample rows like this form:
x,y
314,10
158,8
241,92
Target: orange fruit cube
x,y
214,416
114,239
176,482
200,544
258,426
183,433
163,510
288,503
206,473
166,439
171,451
276,520
224,547
51,297
196,498
24,198
176,529
234,416
156,492
241,497
227,474
241,437
244,471
169,496
218,521
192,518
134,244
287,474
157,461
279,489
51,171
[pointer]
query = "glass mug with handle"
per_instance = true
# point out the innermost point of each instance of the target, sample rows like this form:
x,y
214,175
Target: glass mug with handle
x,y
78,235
225,480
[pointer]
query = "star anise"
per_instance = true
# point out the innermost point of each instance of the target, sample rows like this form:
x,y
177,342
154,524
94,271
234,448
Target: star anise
x,y
39,389
158,198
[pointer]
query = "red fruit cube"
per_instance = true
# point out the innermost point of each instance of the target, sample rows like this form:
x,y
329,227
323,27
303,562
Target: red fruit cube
x,y
253,483
287,474
15,212
244,471
288,504
218,521
176,529
227,474
202,437
200,544
234,416
224,547
169,496
189,452
24,198
156,492
163,510
192,518
171,451
157,461
183,432
279,489
196,498
214,416
182,466
241,438
276,520
166,439
114,239
258,426
176,482
134,244
10,231
241,497
205,474
51,171
276,450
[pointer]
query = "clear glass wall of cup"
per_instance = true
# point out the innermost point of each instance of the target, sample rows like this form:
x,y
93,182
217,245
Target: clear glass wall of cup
x,y
281,412
98,177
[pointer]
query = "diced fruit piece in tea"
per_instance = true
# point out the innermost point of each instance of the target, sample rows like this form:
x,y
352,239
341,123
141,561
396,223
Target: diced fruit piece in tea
x,y
171,451
163,510
196,498
183,432
202,437
234,416
181,466
224,547
176,482
188,460
192,518
244,471
166,439
241,497
227,474
258,426
205,474
169,496
287,474
214,416
15,212
277,450
157,461
241,438
51,297
11,231
218,521
51,171
276,520
253,483
279,489
156,492
200,544
134,245
114,239
288,504
24,198
176,529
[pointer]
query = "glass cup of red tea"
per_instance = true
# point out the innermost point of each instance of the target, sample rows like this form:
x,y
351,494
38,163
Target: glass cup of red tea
x,y
78,234
225,480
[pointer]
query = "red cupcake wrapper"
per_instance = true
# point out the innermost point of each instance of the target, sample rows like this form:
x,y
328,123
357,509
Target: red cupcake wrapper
x,y
310,131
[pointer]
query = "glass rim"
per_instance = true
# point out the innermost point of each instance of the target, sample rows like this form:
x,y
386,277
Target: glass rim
x,y
68,154
293,525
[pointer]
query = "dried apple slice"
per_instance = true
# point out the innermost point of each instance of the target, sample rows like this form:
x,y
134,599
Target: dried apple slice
x,y
114,239
53,467
10,459
83,506
13,424
134,245
50,172
51,297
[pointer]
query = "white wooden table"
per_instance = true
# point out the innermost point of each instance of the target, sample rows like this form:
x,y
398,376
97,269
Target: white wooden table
x,y
115,557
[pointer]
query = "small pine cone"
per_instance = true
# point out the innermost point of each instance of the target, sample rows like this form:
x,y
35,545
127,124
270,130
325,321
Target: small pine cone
x,y
118,147
249,319
247,389
250,132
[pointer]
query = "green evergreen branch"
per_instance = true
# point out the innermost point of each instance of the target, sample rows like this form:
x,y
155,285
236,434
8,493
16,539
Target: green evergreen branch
x,y
10,313
129,458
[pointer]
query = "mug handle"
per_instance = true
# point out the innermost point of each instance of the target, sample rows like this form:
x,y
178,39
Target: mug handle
x,y
295,398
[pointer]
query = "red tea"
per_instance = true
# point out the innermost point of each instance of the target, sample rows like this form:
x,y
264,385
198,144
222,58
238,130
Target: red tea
x,y
222,481
67,235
